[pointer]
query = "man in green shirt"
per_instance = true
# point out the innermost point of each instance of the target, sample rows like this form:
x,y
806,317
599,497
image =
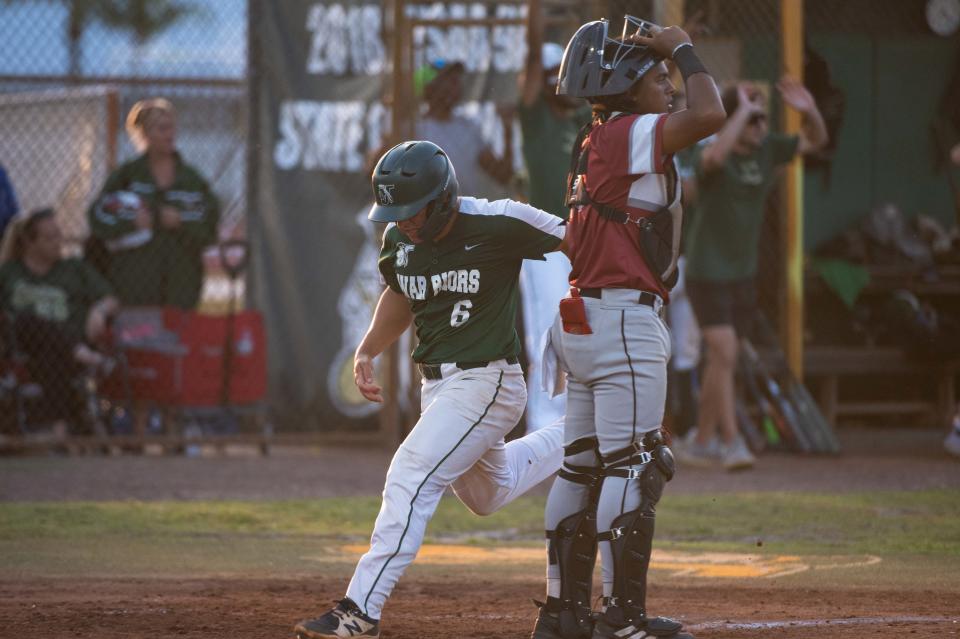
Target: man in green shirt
x,y
451,266
734,176
549,124
57,307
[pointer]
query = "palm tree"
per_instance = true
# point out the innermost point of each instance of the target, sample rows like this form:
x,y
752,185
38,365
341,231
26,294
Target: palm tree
x,y
81,12
144,18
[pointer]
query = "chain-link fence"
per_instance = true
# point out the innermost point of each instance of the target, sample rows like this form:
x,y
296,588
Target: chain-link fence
x,y
70,73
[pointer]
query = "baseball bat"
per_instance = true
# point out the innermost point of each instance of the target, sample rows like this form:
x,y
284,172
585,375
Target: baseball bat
x,y
822,434
772,388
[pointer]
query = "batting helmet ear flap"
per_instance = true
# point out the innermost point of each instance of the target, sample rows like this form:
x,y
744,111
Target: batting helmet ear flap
x,y
439,212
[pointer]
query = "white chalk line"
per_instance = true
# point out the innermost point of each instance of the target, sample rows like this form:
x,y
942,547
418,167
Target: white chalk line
x,y
748,625
816,623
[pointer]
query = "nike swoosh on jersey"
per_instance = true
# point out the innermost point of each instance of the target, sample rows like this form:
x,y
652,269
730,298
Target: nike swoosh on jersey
x,y
470,247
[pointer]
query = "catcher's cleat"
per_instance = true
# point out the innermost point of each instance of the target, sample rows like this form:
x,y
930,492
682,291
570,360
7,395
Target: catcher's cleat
x,y
548,621
655,628
343,622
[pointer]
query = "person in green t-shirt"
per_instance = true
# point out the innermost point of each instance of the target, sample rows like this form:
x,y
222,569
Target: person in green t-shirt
x,y
734,176
156,245
549,124
53,308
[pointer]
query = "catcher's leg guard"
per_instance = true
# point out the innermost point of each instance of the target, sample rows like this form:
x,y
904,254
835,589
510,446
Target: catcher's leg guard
x,y
573,547
631,539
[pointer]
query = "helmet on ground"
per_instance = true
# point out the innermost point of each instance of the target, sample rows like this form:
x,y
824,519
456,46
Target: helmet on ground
x,y
413,176
596,65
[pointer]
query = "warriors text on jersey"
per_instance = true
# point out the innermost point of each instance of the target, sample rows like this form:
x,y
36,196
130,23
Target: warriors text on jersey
x,y
463,289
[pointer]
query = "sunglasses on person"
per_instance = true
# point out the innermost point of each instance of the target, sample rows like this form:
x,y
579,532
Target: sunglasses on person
x,y
757,118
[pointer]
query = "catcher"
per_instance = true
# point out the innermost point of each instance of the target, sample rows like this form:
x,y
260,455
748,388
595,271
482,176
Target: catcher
x,y
610,337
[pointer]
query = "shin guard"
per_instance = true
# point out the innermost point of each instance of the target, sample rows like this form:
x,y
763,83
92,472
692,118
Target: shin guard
x,y
573,547
631,536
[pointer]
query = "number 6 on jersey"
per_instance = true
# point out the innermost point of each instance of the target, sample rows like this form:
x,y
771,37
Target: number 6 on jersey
x,y
460,313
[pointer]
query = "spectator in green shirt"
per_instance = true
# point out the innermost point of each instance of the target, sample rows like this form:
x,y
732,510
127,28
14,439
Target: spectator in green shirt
x,y
55,309
734,175
156,252
549,124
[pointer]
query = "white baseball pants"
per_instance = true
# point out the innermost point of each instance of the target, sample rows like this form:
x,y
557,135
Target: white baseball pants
x,y
457,442
616,391
543,283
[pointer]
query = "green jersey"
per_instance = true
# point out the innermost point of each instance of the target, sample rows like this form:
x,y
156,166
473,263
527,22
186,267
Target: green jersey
x,y
463,289
64,294
724,236
168,267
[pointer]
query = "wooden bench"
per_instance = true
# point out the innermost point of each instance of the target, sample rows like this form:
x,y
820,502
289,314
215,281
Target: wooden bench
x,y
829,363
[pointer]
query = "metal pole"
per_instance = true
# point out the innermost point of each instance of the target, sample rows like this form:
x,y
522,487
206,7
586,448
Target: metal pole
x,y
113,127
252,82
668,13
791,14
389,417
401,80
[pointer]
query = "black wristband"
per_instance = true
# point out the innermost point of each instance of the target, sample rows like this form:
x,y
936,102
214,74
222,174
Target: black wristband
x,y
687,61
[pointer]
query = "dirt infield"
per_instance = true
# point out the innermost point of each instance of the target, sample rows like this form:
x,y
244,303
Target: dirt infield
x,y
873,459
428,609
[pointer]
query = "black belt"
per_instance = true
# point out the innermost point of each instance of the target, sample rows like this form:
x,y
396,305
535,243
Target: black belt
x,y
432,371
646,297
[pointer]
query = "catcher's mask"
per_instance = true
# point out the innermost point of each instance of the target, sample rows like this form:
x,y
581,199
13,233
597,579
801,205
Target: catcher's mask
x,y
413,176
596,65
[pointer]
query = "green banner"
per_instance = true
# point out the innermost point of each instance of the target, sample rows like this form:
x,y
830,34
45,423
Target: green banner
x,y
320,72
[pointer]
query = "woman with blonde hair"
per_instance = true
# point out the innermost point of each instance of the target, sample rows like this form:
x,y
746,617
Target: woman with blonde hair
x,y
155,215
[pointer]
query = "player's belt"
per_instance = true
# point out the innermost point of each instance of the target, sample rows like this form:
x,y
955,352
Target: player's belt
x,y
645,297
433,371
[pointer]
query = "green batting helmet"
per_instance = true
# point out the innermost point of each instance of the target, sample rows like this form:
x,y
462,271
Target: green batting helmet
x,y
411,176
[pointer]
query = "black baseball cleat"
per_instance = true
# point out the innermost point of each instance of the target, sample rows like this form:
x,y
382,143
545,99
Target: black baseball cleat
x,y
343,622
551,623
548,621
654,628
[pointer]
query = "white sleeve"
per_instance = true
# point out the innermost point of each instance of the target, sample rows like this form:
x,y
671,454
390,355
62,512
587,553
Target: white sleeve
x,y
546,223
645,144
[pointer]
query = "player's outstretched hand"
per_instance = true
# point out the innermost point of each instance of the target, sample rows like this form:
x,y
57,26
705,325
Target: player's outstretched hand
x,y
363,378
663,41
749,99
796,95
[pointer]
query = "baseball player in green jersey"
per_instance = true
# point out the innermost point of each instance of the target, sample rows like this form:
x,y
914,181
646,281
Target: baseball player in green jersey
x,y
156,245
451,265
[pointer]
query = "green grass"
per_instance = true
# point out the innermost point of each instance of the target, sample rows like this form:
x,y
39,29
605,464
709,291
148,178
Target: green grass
x,y
913,531
926,522
882,523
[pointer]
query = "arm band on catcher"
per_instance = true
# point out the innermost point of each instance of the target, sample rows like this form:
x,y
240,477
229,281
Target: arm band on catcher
x,y
687,61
